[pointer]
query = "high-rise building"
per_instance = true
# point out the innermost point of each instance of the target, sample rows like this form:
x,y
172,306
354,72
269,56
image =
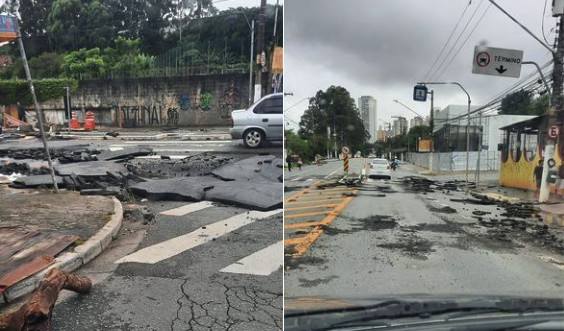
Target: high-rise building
x,y
417,121
399,126
381,134
367,110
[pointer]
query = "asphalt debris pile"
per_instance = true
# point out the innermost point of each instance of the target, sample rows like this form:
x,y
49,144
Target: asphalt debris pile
x,y
78,153
138,213
22,168
252,183
193,165
419,184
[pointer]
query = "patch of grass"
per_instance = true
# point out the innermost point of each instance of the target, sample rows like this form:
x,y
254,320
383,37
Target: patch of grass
x,y
79,241
107,217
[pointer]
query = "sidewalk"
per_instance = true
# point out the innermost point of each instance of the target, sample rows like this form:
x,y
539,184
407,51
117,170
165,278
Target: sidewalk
x,y
41,230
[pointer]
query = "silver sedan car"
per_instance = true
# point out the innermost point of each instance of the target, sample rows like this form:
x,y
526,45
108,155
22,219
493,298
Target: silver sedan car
x,y
261,122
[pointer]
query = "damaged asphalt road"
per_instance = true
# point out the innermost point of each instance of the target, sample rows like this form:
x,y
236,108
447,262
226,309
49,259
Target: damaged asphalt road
x,y
208,277
437,239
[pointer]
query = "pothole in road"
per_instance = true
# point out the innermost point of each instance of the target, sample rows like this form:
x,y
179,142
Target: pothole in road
x,y
412,246
370,223
312,283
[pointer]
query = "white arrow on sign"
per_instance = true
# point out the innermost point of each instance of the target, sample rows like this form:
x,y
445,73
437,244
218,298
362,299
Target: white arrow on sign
x,y
497,62
345,150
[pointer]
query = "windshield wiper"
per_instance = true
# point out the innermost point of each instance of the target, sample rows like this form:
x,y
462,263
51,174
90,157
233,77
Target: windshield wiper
x,y
399,309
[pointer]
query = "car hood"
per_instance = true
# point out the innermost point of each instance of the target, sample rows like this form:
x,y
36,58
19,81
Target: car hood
x,y
296,305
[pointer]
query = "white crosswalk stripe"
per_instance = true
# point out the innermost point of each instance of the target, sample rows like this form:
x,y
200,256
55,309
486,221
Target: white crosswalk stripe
x,y
172,247
263,262
187,209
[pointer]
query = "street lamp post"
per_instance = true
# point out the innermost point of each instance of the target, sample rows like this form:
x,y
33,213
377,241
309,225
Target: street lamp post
x,y
468,120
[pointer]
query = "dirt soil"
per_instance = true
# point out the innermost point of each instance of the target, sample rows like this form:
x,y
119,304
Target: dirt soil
x,y
65,212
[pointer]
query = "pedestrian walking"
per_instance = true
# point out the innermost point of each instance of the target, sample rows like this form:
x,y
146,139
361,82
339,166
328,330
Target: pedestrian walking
x,y
560,178
289,161
300,162
537,174
21,111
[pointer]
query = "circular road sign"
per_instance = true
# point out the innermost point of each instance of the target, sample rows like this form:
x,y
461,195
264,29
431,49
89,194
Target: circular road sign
x,y
345,150
553,131
551,163
483,59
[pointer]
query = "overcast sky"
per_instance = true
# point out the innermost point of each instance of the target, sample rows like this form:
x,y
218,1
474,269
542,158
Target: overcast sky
x,y
383,47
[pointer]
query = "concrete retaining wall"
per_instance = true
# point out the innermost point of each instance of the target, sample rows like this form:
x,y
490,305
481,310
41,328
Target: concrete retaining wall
x,y
155,102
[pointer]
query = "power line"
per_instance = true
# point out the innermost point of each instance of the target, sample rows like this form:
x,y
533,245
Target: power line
x,y
542,22
457,39
465,40
497,100
448,40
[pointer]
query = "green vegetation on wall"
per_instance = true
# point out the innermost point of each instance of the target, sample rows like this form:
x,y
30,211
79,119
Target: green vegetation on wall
x,y
12,91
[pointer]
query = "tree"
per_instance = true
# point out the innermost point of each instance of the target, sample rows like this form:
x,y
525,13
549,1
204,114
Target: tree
x,y
517,103
296,145
333,108
84,64
416,133
539,106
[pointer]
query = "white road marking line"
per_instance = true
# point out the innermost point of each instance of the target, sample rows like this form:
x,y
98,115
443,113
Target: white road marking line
x,y
116,148
331,174
173,157
304,171
167,249
175,142
187,209
262,263
296,179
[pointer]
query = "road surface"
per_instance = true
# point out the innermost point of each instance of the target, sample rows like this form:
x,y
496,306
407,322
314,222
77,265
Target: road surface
x,y
197,266
383,238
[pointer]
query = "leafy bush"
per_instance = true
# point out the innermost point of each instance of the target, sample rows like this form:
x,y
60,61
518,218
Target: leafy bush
x,y
12,91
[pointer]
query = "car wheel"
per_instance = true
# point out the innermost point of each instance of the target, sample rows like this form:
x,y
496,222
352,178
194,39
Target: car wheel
x,y
253,138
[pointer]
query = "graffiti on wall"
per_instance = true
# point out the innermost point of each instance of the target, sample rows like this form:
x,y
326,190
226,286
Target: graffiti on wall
x,y
229,102
173,117
184,102
205,101
140,116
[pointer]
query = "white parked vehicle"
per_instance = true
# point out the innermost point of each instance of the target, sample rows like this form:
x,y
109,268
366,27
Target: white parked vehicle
x,y
380,168
261,122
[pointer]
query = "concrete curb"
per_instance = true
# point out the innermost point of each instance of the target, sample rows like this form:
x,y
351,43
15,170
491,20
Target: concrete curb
x,y
71,261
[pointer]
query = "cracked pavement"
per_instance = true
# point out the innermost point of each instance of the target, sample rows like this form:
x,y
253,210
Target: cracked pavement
x,y
189,290
185,292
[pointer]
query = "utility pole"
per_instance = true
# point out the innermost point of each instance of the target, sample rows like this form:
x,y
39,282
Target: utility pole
x,y
556,106
38,110
260,51
274,44
555,98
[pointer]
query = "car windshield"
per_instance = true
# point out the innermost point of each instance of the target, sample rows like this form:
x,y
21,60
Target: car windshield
x,y
459,190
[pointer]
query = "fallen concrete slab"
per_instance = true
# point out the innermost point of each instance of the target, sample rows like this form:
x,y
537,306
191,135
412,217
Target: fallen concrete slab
x,y
125,153
254,169
37,181
175,189
257,196
91,169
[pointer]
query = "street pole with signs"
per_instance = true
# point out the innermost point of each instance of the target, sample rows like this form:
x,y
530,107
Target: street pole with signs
x,y
417,96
